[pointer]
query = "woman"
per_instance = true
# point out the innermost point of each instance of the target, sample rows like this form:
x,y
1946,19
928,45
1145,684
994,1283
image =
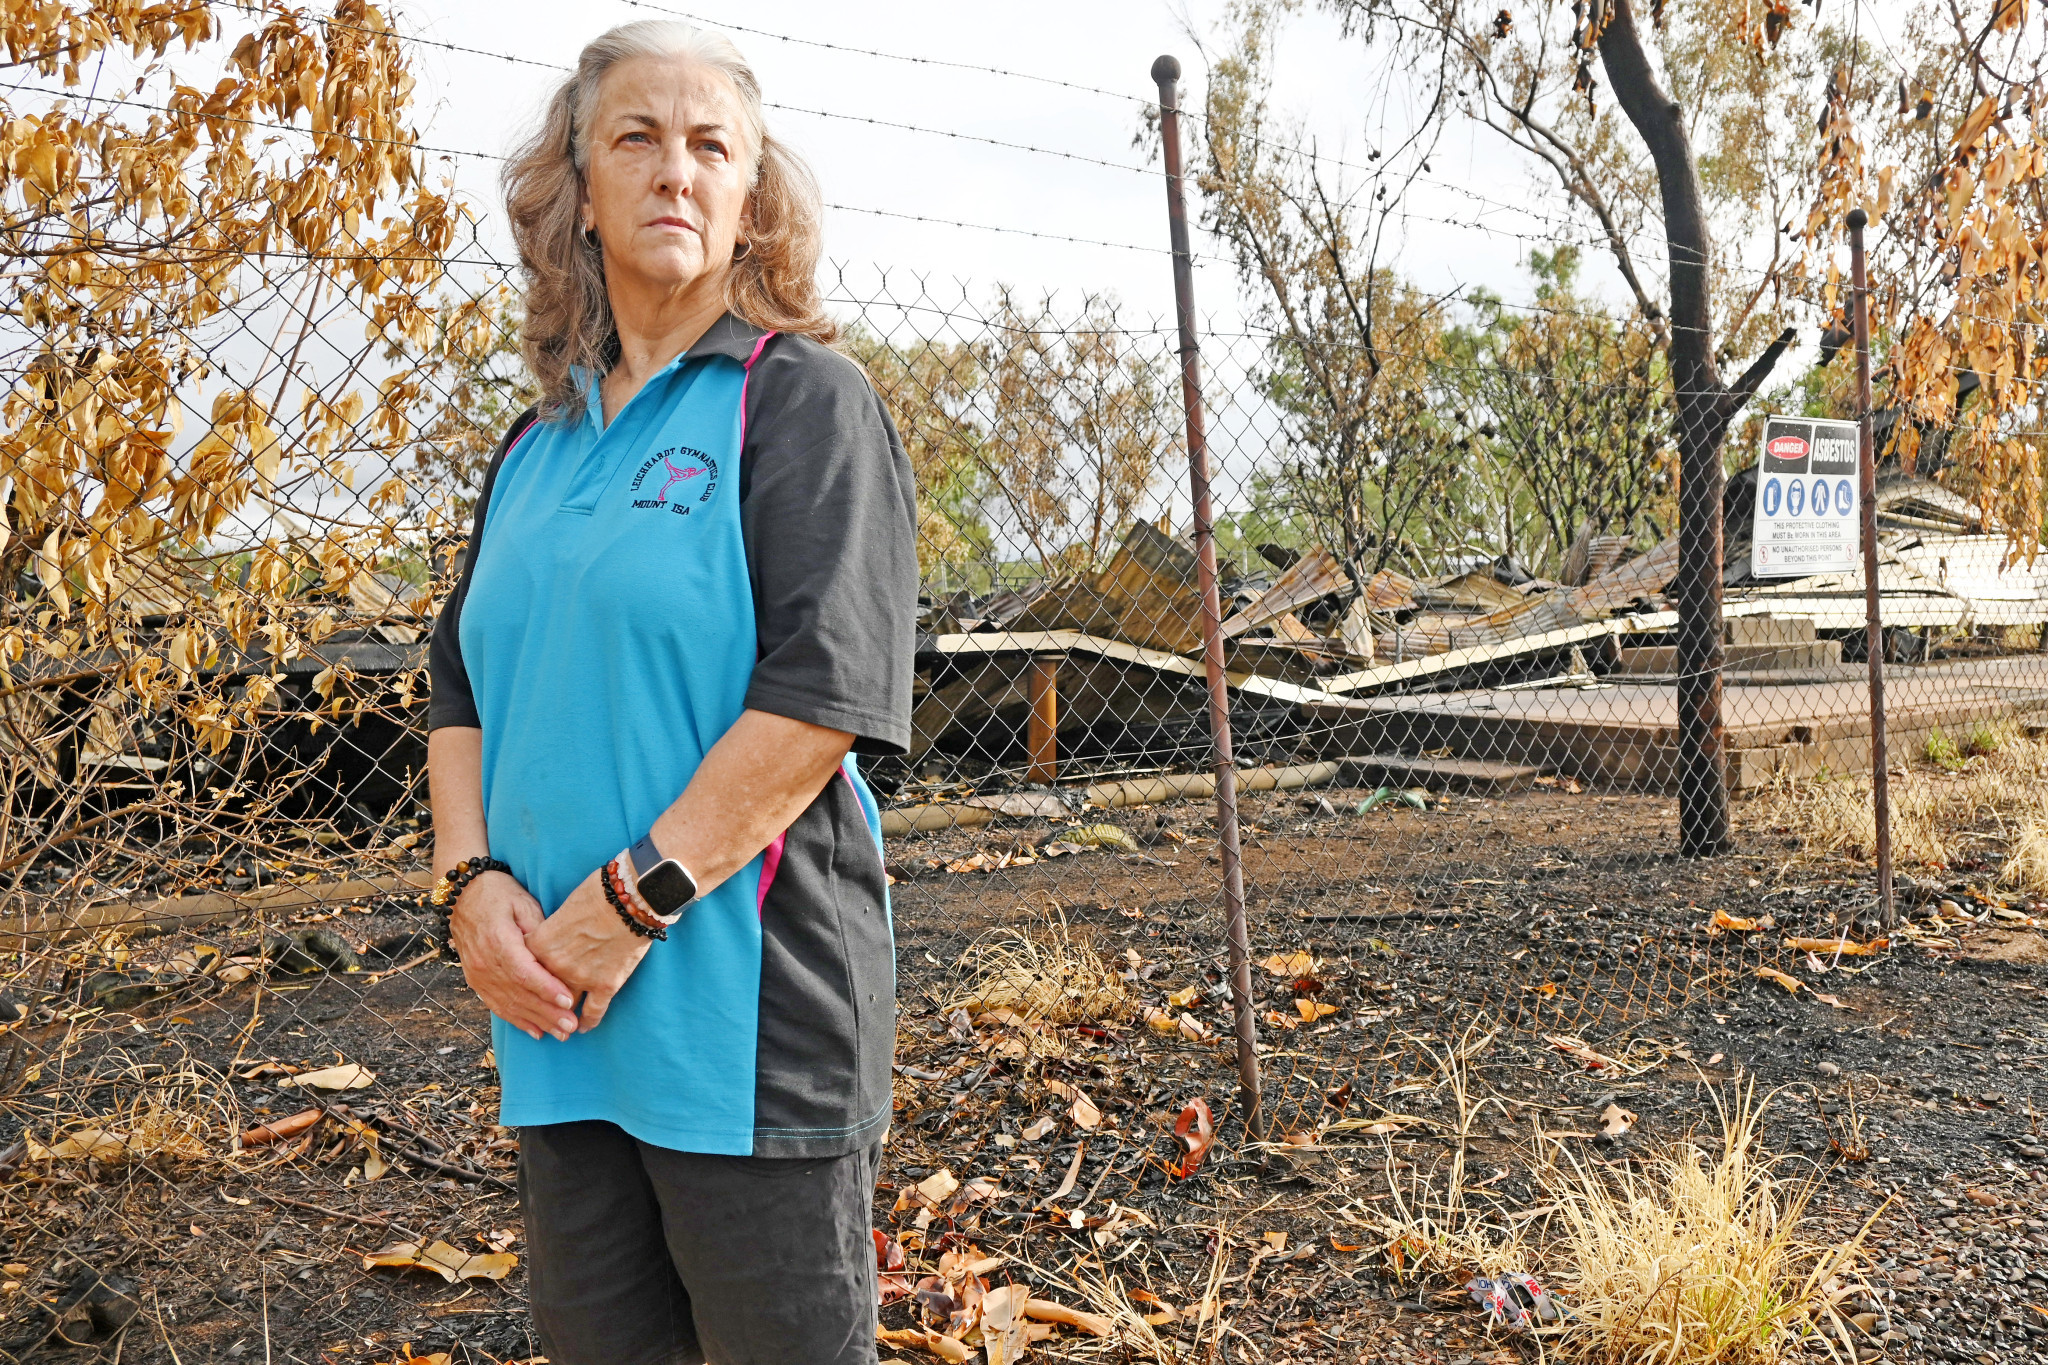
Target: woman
x,y
689,599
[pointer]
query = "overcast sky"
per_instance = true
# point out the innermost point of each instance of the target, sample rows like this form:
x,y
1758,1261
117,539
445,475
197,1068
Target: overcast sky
x,y
481,103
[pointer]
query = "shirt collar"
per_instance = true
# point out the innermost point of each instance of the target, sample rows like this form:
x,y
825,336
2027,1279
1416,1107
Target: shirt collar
x,y
731,336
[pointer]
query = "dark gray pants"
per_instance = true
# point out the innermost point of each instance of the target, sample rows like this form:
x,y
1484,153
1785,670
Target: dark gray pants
x,y
637,1255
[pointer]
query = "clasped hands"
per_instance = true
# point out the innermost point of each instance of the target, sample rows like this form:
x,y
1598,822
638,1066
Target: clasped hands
x,y
531,969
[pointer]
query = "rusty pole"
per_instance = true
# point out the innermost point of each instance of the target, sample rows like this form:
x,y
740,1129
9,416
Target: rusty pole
x,y
1866,479
1166,72
1042,733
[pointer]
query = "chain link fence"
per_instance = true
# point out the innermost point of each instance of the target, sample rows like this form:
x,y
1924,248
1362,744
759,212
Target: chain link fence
x,y
249,1109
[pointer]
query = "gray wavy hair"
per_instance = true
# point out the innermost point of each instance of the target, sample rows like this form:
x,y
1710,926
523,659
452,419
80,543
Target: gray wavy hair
x,y
568,324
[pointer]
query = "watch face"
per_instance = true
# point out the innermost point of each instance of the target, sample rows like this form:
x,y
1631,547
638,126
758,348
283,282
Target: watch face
x,y
667,887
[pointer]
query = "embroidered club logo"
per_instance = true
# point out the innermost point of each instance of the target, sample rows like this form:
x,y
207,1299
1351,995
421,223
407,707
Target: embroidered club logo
x,y
676,476
675,480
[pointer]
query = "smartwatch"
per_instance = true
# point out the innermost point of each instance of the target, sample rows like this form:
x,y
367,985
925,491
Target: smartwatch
x,y
665,884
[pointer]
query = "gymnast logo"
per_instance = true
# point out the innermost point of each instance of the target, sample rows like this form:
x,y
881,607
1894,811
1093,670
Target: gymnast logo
x,y
668,478
676,476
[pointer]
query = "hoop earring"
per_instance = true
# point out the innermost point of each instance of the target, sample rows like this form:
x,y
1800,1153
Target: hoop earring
x,y
590,238
740,252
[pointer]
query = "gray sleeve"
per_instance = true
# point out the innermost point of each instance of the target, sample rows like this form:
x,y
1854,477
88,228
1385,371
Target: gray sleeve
x,y
829,513
449,698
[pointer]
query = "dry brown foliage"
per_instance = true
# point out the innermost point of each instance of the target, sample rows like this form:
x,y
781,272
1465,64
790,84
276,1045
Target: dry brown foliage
x,y
1991,801
1045,975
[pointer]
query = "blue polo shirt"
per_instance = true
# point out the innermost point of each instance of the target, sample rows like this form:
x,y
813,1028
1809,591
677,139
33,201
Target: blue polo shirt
x,y
742,535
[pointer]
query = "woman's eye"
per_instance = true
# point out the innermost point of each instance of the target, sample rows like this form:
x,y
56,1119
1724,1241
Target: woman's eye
x,y
716,148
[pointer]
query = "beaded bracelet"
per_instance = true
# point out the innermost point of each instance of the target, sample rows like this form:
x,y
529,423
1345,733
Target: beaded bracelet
x,y
620,899
449,888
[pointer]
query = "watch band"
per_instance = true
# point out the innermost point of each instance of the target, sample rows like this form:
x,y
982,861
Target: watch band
x,y
645,855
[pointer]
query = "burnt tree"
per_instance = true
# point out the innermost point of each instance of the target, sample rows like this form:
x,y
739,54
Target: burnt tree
x,y
1705,407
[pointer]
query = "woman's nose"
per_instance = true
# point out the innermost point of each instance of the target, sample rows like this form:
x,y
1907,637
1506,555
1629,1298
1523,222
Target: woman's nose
x,y
673,177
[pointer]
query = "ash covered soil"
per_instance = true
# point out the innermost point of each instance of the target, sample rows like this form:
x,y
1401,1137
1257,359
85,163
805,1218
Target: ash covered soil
x,y
1461,951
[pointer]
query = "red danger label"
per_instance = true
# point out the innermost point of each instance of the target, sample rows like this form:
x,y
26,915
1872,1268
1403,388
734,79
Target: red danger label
x,y
1787,448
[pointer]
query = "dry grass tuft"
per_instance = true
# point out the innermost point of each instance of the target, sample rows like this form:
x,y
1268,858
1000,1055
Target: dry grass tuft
x,y
1431,1227
181,1114
1992,797
1044,974
2026,864
1698,1258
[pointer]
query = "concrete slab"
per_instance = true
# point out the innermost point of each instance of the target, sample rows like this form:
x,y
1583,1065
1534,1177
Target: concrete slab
x,y
1659,660
1625,734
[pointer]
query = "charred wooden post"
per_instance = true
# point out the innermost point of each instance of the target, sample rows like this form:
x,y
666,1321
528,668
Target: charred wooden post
x,y
1166,72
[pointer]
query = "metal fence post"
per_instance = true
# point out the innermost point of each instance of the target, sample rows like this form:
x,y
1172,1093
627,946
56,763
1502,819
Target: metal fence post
x,y
1866,477
1166,72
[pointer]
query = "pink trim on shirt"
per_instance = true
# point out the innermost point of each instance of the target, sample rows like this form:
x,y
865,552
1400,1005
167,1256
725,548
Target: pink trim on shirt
x,y
771,857
756,355
771,860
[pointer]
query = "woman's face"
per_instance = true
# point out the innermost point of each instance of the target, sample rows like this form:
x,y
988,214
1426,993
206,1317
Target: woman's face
x,y
665,184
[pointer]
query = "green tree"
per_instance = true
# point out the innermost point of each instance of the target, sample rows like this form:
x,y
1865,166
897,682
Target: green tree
x,y
930,389
1576,407
1370,459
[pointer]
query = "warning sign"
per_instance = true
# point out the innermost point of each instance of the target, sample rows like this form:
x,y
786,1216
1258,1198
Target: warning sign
x,y
1806,514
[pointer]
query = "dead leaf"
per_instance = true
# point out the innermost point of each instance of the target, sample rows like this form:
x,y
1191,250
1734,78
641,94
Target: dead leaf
x,y
1723,920
97,1144
940,1184
197,960
1195,1130
1165,1313
1275,1241
1159,1021
1185,999
347,1076
1039,1127
1312,1010
1002,1323
1790,983
444,1260
1073,1174
1081,1109
1577,1047
1547,988
1838,947
979,1190
891,1283
276,1130
1289,965
1193,1029
1833,1000
1615,1121
1974,124
1102,836
1045,1310
940,1345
